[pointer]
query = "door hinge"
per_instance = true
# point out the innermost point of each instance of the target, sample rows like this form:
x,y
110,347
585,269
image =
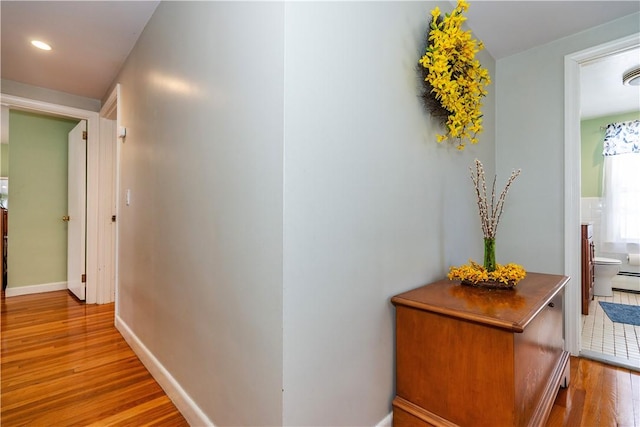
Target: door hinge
x,y
84,135
113,218
83,279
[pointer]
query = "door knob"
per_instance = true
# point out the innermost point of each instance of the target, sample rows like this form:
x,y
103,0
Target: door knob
x,y
66,218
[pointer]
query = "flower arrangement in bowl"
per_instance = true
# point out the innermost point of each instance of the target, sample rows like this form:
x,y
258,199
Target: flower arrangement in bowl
x,y
454,81
503,277
491,274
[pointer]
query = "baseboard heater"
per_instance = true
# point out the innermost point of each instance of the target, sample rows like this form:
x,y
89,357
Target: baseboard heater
x,y
627,281
629,274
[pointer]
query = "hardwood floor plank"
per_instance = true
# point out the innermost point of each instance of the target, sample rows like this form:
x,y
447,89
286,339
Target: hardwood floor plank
x,y
624,405
608,397
130,399
70,387
592,379
568,413
64,364
61,357
598,395
635,391
125,416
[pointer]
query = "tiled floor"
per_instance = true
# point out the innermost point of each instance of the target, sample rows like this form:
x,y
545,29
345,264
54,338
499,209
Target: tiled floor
x,y
600,334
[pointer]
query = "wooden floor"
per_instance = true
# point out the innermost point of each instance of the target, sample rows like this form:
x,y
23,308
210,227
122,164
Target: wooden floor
x,y
64,364
599,395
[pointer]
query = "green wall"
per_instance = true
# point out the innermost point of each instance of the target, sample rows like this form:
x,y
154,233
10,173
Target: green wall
x,y
37,252
591,159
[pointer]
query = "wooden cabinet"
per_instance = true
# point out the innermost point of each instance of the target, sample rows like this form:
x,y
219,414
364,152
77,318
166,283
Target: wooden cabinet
x,y
587,271
469,356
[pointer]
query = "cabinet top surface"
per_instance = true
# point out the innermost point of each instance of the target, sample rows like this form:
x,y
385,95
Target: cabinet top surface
x,y
510,309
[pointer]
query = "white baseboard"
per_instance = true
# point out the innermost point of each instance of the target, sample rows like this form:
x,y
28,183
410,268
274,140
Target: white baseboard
x,y
190,411
386,421
34,289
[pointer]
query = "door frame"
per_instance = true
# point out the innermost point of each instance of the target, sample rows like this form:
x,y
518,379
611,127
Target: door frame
x,y
94,185
572,64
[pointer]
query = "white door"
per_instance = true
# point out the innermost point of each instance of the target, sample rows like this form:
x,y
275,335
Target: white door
x,y
77,210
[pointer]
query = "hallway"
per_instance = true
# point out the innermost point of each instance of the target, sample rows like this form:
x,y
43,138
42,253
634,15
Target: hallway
x,y
64,363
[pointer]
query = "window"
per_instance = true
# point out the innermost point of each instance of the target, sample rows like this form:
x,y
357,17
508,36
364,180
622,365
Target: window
x,y
622,201
621,151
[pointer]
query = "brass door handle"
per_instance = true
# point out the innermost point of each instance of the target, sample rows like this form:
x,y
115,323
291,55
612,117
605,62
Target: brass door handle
x,y
66,218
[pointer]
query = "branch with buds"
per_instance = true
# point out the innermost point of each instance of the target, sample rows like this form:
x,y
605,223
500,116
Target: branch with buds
x,y
490,213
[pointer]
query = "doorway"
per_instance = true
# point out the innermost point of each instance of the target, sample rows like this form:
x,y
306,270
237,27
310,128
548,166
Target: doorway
x,y
96,213
37,232
574,64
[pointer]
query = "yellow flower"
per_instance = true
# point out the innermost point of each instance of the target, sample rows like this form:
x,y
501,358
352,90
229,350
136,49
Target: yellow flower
x,y
456,79
474,273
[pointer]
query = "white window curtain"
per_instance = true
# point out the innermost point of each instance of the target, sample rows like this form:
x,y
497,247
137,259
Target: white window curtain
x,y
621,219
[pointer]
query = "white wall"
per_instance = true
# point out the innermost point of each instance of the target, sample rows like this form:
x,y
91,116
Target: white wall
x,y
530,123
200,258
285,184
373,206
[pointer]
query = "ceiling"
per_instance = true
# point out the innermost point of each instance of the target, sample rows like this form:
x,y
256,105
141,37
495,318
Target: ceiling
x,y
508,27
527,24
601,86
92,39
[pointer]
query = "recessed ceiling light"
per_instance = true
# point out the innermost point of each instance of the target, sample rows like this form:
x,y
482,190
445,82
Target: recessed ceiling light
x,y
40,45
632,77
